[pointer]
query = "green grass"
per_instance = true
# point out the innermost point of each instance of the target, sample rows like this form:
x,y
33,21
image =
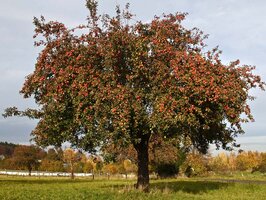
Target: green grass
x,y
62,188
241,176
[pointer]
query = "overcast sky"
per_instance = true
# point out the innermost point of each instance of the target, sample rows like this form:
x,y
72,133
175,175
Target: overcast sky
x,y
237,26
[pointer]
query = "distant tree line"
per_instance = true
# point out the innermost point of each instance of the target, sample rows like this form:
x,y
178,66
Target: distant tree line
x,y
166,160
7,149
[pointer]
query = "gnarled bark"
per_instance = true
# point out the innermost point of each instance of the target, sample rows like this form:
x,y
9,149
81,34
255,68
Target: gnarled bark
x,y
143,163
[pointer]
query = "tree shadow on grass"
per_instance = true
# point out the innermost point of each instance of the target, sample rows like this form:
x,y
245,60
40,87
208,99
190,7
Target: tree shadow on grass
x,y
194,187
173,186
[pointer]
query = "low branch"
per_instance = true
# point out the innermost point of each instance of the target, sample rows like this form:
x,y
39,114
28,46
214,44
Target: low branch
x,y
30,113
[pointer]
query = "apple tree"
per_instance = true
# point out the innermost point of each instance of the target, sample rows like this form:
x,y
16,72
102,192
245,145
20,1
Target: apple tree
x,y
117,80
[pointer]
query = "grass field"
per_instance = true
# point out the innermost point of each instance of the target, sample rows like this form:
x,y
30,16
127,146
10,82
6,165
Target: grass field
x,y
27,188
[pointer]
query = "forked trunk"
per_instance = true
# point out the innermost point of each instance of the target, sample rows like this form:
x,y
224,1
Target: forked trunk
x,y
143,164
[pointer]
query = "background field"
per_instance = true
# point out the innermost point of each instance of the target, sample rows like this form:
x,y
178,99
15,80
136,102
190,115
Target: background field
x,y
64,188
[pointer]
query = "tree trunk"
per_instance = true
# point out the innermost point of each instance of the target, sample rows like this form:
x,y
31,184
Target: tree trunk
x,y
71,171
143,163
72,175
30,169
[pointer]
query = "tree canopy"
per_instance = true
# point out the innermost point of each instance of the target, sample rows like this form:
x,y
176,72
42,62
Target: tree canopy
x,y
118,81
27,157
